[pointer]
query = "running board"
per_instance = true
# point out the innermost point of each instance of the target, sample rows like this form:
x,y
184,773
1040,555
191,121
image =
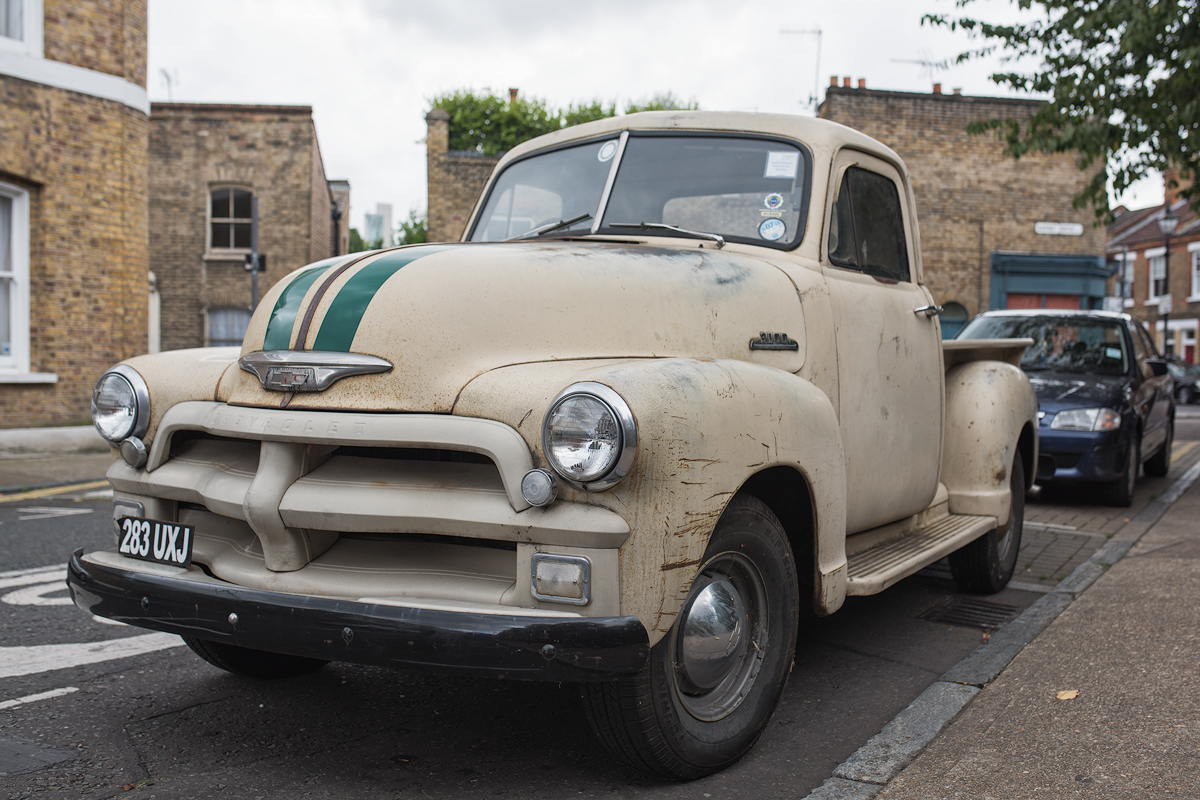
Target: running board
x,y
874,570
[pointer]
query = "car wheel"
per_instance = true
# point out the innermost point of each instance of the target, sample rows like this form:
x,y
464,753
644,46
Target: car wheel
x,y
986,565
252,663
1187,395
1159,464
1120,491
714,680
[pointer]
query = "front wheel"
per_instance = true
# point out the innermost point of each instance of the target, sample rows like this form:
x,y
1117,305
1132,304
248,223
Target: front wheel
x,y
1120,492
1158,465
714,680
986,565
252,663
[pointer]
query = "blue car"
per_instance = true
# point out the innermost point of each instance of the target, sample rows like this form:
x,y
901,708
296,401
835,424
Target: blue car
x,y
1105,399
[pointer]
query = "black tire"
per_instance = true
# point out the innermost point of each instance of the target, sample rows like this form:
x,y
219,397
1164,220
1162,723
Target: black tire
x,y
986,565
1158,465
1187,395
252,663
664,720
1120,492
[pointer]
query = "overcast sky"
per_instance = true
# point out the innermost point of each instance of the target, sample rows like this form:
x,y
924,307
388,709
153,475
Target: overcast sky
x,y
369,68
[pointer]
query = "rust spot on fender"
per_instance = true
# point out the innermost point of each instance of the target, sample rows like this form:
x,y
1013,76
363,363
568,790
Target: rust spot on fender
x,y
1001,476
680,565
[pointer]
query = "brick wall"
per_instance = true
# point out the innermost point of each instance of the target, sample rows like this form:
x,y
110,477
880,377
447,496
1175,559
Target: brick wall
x,y
455,180
270,150
83,162
971,198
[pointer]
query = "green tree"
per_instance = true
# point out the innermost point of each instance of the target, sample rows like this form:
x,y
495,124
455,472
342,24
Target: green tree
x,y
664,101
1123,78
359,244
414,230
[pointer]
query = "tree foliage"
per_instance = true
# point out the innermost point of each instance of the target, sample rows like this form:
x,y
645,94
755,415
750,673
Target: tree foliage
x,y
414,230
1123,78
359,244
489,124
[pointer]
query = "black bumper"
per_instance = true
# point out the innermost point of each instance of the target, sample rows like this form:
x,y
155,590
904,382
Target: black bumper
x,y
521,647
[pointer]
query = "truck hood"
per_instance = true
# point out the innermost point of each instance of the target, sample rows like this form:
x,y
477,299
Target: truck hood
x,y
443,314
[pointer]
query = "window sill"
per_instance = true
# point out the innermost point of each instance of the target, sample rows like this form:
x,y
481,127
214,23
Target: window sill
x,y
28,377
1193,299
1128,302
227,255
1153,301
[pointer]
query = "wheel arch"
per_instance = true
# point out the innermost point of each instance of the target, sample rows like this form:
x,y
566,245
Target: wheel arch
x,y
788,494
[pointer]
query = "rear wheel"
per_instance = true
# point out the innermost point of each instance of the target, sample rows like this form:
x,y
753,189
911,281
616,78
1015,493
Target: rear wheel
x,y
712,682
252,663
1159,464
1120,491
986,565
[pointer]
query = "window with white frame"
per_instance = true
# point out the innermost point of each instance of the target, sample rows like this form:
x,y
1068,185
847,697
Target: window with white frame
x,y
1194,252
1125,273
21,27
1158,274
227,326
14,280
229,218
12,24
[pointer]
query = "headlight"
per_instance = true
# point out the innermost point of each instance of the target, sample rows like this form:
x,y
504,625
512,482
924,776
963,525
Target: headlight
x,y
121,404
1086,419
589,436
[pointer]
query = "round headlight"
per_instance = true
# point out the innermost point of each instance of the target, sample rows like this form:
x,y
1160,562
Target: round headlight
x,y
589,436
120,404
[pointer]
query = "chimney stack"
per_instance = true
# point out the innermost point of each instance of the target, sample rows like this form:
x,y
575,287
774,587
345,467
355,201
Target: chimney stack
x,y
937,88
862,83
512,97
846,82
833,80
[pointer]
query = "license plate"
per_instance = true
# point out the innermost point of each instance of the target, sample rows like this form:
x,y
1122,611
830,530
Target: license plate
x,y
155,540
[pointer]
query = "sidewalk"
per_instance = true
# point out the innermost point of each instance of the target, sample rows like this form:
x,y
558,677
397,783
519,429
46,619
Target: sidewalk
x,y
39,457
1104,703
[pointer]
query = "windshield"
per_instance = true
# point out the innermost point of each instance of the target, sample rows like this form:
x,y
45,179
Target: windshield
x,y
1060,344
740,188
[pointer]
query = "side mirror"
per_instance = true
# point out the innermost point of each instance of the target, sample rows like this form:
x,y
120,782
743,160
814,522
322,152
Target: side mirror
x,y
1158,367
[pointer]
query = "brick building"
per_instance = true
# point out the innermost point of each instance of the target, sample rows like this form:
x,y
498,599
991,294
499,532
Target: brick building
x,y
996,232
208,164
455,179
73,215
1147,277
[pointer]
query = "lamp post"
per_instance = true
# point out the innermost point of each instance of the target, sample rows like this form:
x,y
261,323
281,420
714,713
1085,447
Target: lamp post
x,y
1167,224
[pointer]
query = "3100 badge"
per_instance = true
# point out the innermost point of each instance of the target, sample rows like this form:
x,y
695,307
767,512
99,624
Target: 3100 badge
x,y
155,540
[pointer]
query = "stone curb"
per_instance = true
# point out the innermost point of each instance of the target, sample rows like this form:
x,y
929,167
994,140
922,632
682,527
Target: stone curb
x,y
867,771
31,442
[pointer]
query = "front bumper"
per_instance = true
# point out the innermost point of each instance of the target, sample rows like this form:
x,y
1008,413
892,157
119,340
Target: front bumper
x,y
552,648
1081,455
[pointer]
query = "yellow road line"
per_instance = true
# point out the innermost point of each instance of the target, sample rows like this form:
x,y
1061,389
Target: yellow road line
x,y
1181,449
36,493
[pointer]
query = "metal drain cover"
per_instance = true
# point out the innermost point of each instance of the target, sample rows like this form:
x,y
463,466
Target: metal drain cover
x,y
970,612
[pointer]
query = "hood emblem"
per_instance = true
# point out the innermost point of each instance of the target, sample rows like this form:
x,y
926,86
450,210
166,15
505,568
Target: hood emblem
x,y
773,341
308,370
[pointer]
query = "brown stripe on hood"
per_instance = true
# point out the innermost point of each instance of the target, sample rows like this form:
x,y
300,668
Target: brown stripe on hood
x,y
311,311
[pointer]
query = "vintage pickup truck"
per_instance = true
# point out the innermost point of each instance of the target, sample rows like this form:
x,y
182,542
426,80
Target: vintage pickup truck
x,y
680,385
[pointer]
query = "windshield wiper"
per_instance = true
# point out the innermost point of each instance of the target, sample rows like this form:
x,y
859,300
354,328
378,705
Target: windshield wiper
x,y
550,227
660,226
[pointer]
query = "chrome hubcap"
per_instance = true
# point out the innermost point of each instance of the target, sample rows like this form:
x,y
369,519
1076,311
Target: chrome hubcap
x,y
720,638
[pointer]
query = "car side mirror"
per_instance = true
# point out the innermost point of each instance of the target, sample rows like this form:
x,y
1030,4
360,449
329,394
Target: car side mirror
x,y
1158,367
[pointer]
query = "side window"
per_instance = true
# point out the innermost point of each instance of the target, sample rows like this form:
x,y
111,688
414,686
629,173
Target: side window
x,y
1143,348
229,219
867,230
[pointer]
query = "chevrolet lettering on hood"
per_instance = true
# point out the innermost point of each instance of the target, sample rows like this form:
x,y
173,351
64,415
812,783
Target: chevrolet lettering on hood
x,y
678,387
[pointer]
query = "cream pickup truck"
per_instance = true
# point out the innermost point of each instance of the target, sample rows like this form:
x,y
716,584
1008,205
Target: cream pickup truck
x,y
680,385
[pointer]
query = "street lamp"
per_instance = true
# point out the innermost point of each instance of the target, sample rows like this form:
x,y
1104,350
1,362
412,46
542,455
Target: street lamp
x,y
1167,224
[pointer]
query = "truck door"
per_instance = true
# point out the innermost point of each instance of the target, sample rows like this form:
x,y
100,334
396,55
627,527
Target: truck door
x,y
889,349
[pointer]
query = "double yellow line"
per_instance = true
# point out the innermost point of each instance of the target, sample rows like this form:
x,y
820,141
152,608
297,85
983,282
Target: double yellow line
x,y
36,493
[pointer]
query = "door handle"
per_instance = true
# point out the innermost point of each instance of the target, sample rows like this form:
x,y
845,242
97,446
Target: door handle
x,y
929,311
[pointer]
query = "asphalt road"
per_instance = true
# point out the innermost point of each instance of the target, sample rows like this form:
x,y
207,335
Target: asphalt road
x,y
93,710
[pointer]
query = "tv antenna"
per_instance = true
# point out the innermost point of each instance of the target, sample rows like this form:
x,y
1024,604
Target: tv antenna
x,y
170,81
812,98
929,67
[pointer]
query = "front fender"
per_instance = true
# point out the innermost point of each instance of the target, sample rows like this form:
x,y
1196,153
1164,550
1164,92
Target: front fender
x,y
704,427
988,406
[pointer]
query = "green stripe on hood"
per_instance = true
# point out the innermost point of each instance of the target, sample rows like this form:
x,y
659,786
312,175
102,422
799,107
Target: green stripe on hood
x,y
283,316
347,309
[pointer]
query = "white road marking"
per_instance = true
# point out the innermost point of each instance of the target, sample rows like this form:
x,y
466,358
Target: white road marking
x,y
34,659
57,574
35,595
49,512
33,698
16,573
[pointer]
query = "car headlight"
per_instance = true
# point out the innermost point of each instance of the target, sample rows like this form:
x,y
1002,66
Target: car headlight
x,y
589,436
1086,419
121,404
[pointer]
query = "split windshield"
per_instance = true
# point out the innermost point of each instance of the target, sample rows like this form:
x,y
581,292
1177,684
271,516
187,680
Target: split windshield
x,y
1060,344
738,188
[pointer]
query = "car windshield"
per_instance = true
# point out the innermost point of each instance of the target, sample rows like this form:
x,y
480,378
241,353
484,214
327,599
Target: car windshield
x,y
708,186
1060,344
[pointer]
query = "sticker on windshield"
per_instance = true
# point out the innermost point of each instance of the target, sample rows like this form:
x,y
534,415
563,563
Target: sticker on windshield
x,y
782,164
773,201
1112,352
607,151
772,229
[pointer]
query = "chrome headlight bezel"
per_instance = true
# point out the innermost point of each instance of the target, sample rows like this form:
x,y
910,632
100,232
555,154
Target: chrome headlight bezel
x,y
1086,420
626,427
141,402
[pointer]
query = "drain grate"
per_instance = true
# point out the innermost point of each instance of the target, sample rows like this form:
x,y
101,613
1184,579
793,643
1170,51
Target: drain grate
x,y
970,612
